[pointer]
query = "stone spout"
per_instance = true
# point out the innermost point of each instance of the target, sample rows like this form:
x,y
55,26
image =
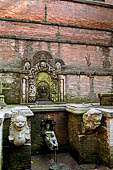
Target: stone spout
x,y
19,131
48,133
51,140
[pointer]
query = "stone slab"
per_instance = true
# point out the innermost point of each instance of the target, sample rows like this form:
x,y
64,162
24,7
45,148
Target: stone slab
x,y
6,112
51,107
78,108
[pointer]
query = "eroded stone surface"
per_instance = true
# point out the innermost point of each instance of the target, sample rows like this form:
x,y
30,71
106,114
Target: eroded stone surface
x,y
92,119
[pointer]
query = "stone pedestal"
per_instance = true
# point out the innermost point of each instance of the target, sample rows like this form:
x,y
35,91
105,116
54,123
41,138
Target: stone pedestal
x,y
82,147
95,147
108,114
17,158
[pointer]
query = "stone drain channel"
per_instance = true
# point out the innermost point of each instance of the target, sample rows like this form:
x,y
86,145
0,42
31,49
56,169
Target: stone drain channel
x,y
42,162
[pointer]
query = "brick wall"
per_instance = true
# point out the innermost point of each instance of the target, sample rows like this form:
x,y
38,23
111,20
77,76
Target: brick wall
x,y
58,11
11,87
80,86
53,32
77,85
78,33
13,51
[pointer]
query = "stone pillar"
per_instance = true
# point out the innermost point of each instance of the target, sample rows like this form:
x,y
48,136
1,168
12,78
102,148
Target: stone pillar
x,y
2,101
83,147
110,138
1,140
89,144
106,151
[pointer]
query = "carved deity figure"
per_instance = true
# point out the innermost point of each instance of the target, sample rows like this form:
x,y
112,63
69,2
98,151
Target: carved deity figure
x,y
58,66
19,131
92,119
27,65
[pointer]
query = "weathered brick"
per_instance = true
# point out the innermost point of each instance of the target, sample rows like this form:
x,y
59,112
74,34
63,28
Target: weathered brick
x,y
75,13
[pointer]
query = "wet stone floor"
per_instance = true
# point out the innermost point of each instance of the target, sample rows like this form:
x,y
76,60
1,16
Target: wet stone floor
x,y
63,161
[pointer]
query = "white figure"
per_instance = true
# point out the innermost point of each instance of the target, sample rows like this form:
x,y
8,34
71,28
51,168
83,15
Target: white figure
x,y
19,131
27,65
58,66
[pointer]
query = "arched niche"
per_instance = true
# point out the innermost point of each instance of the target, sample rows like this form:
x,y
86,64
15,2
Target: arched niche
x,y
46,88
43,78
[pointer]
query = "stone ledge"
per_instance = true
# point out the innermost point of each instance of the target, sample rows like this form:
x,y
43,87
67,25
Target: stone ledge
x,y
51,107
55,40
107,111
96,3
55,24
6,112
13,70
78,108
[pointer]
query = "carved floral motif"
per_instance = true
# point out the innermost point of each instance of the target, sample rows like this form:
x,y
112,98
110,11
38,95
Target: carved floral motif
x,y
32,90
19,131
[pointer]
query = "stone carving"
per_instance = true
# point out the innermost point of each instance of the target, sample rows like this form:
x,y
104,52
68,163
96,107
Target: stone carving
x,y
51,140
58,66
43,90
92,119
27,65
19,131
48,133
41,66
42,62
32,90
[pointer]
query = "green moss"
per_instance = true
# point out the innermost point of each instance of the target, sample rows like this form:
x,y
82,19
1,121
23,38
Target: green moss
x,y
103,150
80,99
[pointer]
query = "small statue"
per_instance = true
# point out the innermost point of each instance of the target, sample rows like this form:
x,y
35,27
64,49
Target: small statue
x,y
27,65
58,66
92,120
19,131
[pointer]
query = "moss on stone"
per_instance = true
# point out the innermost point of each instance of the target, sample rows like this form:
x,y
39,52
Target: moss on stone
x,y
80,99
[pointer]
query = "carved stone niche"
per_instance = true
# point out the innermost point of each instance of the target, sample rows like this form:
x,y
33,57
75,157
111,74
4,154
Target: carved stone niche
x,y
43,81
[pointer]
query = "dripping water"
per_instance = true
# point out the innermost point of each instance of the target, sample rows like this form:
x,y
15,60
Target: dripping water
x,y
55,158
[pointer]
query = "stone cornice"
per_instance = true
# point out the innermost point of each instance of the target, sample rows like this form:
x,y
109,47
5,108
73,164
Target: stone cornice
x,y
55,24
96,3
13,70
55,40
